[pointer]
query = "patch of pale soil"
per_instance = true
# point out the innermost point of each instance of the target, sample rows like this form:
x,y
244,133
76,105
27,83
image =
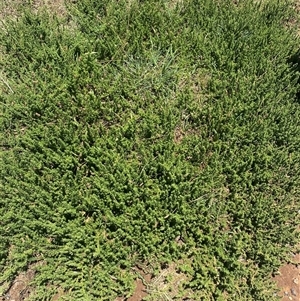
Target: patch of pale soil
x,y
19,289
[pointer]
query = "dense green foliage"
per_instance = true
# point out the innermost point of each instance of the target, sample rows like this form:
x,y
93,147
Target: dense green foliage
x,y
129,123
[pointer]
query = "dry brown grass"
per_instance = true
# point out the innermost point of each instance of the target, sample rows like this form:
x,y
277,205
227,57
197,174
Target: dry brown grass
x,y
12,8
169,284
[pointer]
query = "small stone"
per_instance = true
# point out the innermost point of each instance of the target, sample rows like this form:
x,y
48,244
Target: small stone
x,y
293,292
286,293
296,280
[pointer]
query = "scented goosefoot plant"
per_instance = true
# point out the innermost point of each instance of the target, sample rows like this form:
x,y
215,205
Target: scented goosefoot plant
x,y
125,125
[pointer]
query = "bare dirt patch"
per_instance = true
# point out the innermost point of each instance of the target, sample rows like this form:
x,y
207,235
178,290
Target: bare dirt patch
x,y
19,289
288,280
140,291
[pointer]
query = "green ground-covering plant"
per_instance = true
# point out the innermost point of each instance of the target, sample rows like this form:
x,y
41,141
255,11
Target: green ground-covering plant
x,y
130,123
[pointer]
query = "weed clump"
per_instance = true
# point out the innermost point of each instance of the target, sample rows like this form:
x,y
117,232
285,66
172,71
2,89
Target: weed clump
x,y
143,123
